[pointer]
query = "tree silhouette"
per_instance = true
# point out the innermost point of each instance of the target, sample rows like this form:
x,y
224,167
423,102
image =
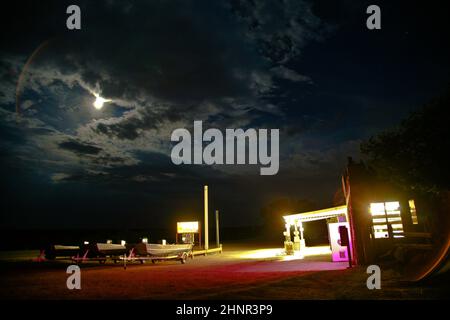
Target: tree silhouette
x,y
416,154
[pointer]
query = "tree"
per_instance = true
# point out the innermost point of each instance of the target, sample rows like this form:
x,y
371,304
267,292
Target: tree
x,y
416,154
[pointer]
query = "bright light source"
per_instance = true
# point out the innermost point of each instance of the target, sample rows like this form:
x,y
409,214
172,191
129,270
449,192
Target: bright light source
x,y
86,242
392,206
144,240
377,209
187,227
316,215
385,213
123,242
99,101
413,211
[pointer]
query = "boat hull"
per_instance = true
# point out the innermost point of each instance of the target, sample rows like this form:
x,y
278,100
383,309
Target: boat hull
x,y
108,249
162,250
60,251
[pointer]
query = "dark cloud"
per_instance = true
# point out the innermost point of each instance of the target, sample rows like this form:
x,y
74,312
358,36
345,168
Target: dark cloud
x,y
162,50
280,28
79,148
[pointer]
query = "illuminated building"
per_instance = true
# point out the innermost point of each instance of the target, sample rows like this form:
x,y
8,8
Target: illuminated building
x,y
382,217
379,218
296,222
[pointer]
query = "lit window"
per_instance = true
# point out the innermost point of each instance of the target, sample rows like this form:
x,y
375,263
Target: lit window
x,y
384,214
412,210
392,206
377,209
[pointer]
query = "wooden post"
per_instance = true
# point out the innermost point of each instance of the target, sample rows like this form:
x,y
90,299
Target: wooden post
x,y
206,218
217,229
200,234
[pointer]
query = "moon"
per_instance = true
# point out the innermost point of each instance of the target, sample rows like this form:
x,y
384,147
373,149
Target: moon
x,y
99,101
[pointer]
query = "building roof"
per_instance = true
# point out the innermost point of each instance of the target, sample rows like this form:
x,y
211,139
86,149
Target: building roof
x,y
317,215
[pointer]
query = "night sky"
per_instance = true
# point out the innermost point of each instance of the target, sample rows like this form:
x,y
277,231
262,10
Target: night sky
x,y
311,69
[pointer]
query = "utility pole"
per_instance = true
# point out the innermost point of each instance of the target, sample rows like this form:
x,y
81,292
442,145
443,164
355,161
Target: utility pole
x,y
217,229
206,217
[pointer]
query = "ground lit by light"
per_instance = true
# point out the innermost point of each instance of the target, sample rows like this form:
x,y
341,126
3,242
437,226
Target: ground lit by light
x,y
280,254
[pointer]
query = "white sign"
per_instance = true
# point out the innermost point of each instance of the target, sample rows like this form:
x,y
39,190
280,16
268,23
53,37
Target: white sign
x,y
187,227
338,252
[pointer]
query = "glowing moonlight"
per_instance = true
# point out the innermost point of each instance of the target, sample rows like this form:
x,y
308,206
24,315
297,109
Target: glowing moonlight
x,y
99,101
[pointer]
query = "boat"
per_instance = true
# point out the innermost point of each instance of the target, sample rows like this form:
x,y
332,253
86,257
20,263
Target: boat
x,y
58,250
108,249
162,250
101,252
159,252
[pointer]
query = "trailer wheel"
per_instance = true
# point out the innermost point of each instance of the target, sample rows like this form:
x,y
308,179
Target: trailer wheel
x,y
153,261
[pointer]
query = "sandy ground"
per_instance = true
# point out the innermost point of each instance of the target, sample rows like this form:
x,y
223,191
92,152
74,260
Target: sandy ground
x,y
237,273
